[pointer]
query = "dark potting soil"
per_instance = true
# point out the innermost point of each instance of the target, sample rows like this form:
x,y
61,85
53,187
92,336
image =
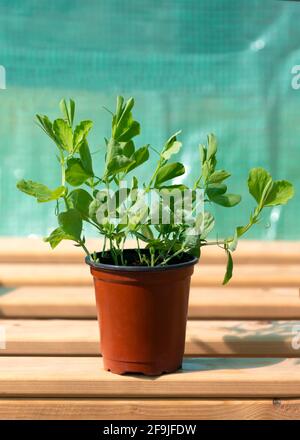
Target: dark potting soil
x,y
131,258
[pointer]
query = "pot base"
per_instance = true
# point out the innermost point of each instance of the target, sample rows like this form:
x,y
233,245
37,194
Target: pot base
x,y
148,369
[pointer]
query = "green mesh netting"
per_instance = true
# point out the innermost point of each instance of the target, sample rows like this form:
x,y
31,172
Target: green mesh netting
x,y
196,65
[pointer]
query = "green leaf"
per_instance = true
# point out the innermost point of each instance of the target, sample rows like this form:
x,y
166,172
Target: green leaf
x,y
47,126
200,230
71,223
229,268
259,179
172,150
208,158
63,133
93,208
215,189
131,131
218,176
72,110
203,153
138,158
146,231
239,231
280,193
114,148
266,191
227,200
192,242
127,148
137,215
76,174
80,133
211,146
118,198
119,109
68,112
134,183
118,156
117,165
86,158
169,171
124,128
64,109
172,146
205,171
41,192
208,224
56,237
81,201
195,251
181,187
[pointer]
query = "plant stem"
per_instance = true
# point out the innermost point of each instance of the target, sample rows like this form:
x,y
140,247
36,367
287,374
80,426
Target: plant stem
x,y
104,246
94,224
84,248
216,243
63,177
66,202
138,249
113,251
122,251
161,160
63,170
172,256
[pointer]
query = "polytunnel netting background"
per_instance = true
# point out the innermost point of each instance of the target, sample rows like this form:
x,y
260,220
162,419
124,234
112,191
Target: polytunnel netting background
x,y
221,66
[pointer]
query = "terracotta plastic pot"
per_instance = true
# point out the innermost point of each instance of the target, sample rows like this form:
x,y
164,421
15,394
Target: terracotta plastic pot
x,y
142,313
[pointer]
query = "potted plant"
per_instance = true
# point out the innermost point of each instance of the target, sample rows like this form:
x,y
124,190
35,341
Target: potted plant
x,y
141,293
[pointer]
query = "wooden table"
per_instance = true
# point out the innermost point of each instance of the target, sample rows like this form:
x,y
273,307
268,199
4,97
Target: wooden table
x,y
242,347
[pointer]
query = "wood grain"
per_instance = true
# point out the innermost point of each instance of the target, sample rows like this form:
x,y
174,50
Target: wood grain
x,y
201,378
204,338
149,409
48,302
245,275
51,368
34,250
205,303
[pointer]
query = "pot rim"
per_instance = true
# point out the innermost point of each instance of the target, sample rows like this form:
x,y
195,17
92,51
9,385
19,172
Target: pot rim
x,y
159,268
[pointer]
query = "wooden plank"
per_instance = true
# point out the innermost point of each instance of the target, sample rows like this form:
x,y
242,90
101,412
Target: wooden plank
x,y
204,338
84,377
205,303
149,409
205,275
34,250
48,302
244,303
44,274
250,275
